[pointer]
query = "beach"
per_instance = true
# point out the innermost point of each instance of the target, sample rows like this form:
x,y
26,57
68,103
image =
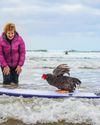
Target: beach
x,y
15,122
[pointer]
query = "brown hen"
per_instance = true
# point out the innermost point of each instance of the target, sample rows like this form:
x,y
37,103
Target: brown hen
x,y
59,80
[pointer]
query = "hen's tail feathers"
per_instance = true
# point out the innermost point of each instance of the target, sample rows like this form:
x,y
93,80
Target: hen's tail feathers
x,y
73,84
76,81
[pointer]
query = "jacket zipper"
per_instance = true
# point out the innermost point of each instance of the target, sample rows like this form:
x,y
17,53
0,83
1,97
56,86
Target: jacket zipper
x,y
11,54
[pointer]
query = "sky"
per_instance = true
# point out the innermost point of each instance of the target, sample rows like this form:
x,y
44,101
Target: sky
x,y
54,24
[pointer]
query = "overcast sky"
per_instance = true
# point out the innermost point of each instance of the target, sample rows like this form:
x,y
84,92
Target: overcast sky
x,y
54,24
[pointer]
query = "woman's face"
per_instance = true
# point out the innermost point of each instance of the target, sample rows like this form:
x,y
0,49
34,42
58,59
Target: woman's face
x,y
10,34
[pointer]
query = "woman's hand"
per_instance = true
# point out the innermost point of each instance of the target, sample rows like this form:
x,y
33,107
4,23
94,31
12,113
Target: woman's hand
x,y
6,70
18,69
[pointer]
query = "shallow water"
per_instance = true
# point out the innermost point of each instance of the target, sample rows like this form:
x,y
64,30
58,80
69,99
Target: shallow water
x,y
20,111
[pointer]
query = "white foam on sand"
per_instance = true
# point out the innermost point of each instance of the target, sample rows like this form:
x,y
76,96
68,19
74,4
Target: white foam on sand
x,y
50,110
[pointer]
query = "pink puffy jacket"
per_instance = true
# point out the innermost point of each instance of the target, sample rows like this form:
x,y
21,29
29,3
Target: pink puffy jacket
x,y
14,54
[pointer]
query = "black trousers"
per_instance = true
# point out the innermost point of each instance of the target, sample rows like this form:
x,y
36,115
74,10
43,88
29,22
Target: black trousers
x,y
10,78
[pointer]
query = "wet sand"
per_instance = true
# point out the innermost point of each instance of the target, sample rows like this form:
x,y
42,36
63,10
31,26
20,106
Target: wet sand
x,y
16,122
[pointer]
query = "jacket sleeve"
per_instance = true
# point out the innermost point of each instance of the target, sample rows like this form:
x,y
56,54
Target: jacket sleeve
x,y
22,52
2,59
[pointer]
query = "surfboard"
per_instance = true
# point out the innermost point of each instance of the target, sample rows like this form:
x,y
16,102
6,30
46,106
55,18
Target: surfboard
x,y
28,93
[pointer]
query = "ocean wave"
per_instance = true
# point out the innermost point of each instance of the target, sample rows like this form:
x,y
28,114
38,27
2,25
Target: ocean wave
x,y
32,111
89,67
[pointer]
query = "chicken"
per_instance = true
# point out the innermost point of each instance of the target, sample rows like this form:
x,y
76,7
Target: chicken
x,y
61,81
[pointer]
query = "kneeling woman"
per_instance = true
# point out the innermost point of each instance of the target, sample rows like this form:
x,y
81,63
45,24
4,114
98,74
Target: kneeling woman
x,y
12,54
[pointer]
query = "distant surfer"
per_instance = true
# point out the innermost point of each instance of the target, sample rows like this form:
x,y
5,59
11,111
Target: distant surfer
x,y
59,80
12,55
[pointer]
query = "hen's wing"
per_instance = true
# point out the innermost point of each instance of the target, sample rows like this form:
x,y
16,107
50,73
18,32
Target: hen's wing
x,y
61,69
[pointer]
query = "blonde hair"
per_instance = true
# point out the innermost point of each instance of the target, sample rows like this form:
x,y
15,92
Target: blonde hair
x,y
9,27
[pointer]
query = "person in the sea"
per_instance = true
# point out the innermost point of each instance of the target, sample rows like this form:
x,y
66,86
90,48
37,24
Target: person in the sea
x,y
12,55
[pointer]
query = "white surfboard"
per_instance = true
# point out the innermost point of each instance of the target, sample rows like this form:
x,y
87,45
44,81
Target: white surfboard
x,y
28,93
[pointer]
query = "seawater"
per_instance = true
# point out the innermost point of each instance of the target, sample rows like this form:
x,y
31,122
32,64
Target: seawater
x,y
83,65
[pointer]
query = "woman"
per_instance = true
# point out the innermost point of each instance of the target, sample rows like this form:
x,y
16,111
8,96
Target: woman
x,y
12,55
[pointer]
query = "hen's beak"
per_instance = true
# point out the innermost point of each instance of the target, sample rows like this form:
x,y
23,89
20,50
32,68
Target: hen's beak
x,y
42,77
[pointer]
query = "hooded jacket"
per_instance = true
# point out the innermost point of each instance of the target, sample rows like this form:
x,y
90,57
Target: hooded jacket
x,y
12,54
